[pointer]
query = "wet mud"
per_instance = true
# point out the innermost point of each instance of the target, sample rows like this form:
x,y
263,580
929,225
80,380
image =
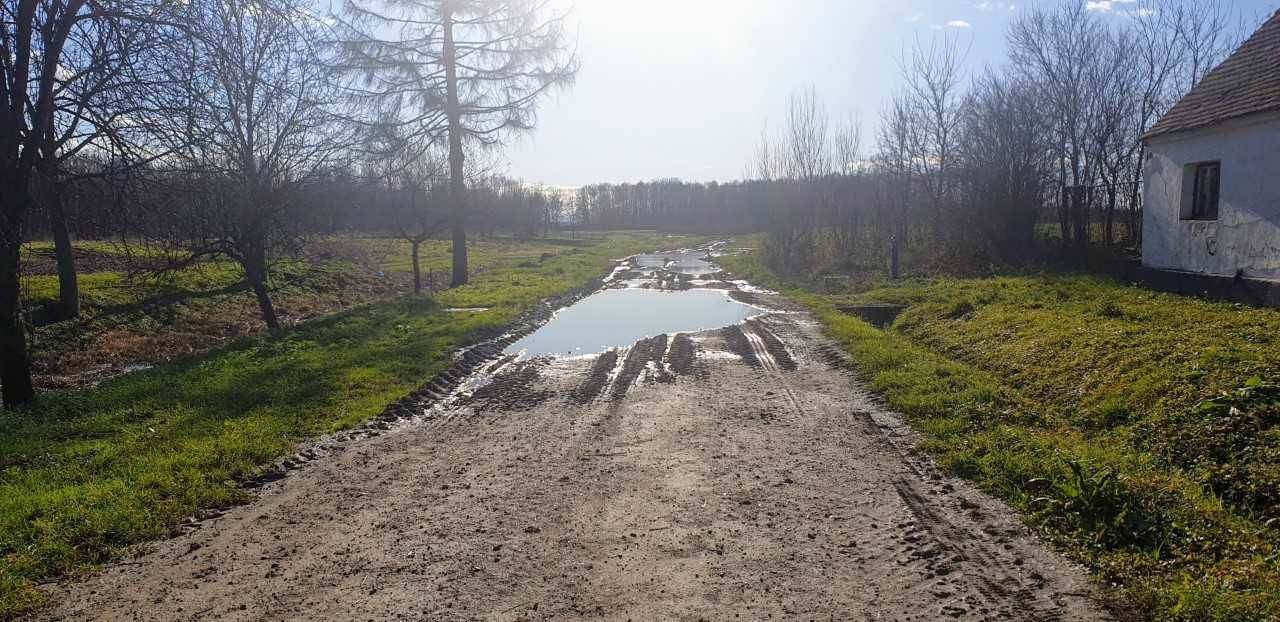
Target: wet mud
x,y
515,388
682,358
597,378
737,343
645,357
772,344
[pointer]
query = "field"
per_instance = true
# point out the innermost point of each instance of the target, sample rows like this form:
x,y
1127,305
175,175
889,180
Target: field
x,y
1137,431
133,317
85,474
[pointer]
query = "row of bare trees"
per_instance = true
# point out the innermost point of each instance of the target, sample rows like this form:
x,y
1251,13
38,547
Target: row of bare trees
x,y
231,128
975,164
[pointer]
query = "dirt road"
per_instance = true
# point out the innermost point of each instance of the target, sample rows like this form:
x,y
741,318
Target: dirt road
x,y
739,473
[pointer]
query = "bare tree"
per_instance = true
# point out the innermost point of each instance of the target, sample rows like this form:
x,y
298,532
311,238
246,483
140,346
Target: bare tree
x,y
54,55
1008,161
420,208
933,89
259,98
896,163
109,113
1055,48
468,70
808,152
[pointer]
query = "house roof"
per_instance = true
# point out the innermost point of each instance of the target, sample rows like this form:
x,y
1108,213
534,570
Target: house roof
x,y
1247,83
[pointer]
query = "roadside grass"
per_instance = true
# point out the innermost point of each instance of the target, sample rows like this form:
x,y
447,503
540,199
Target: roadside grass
x,y
86,475
1136,430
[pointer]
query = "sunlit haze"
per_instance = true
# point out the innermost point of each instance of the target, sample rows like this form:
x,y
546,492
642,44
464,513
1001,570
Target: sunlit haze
x,y
682,88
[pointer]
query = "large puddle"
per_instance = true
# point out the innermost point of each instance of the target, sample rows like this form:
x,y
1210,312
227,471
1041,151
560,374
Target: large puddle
x,y
620,317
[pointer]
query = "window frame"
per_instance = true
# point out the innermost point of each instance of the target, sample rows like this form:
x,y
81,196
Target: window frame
x,y
1203,204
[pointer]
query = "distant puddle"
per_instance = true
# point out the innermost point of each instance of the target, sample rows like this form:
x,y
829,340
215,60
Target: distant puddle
x,y
691,262
620,317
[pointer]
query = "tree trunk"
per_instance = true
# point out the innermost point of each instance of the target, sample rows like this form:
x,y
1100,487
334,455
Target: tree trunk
x,y
1080,209
15,363
68,287
1134,234
417,270
1109,227
457,183
265,305
255,271
1064,221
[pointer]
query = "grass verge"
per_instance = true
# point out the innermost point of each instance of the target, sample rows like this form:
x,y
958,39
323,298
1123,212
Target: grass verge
x,y
1137,431
85,475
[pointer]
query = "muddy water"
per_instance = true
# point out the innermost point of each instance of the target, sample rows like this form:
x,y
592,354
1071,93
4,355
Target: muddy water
x,y
691,262
620,317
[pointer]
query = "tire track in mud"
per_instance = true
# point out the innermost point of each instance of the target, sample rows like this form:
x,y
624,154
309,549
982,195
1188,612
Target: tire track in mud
x,y
511,389
772,345
641,354
660,359
736,340
1003,595
935,542
597,378
682,357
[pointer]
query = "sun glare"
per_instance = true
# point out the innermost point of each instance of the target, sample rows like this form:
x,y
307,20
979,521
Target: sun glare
x,y
661,16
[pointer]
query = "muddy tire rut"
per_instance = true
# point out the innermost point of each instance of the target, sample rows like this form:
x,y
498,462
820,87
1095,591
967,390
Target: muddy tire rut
x,y
737,473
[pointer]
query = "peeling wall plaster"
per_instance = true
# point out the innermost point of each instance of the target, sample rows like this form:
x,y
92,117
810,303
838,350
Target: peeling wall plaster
x,y
1246,235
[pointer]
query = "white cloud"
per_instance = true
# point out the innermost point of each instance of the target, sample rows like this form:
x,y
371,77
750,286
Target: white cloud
x,y
915,18
958,23
1104,6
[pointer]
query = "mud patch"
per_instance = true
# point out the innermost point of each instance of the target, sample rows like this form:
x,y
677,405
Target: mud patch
x,y
597,378
738,344
645,351
512,389
774,346
834,358
682,358
746,298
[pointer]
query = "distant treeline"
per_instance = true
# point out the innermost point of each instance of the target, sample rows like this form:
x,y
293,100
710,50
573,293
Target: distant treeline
x,y
342,200
1039,156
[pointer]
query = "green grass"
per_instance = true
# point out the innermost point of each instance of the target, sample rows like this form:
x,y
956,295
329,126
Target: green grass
x,y
102,290
108,289
86,475
1136,430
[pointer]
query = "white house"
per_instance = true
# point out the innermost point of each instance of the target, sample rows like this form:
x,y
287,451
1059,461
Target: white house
x,y
1212,175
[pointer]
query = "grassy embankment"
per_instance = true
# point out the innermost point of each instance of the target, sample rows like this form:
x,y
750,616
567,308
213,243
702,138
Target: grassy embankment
x,y
85,475
1138,431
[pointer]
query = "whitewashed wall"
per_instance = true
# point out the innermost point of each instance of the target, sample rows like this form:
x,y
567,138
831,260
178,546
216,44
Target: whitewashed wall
x,y
1246,235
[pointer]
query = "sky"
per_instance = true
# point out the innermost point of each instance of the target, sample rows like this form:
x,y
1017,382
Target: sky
x,y
683,88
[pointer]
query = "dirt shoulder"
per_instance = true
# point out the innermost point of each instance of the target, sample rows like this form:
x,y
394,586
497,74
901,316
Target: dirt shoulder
x,y
691,482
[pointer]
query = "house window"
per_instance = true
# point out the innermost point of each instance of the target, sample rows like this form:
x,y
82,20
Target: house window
x,y
1202,204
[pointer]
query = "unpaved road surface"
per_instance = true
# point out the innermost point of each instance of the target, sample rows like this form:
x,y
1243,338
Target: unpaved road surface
x,y
738,473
